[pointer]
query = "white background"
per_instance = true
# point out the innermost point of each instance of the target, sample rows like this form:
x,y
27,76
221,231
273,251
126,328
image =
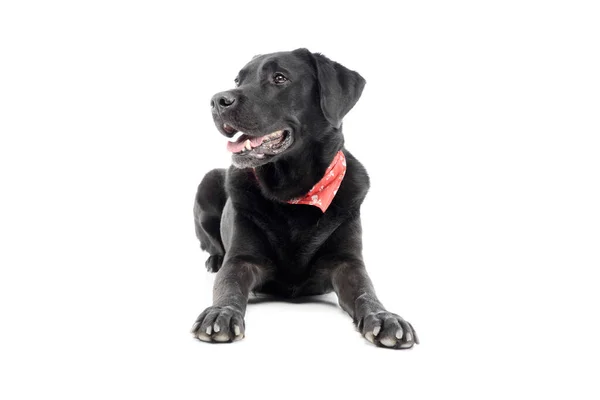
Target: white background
x,y
479,126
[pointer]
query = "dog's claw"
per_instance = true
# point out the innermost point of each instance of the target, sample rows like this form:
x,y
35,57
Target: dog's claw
x,y
376,330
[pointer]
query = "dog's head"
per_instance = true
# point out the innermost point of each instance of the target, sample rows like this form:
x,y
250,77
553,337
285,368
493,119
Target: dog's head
x,y
282,102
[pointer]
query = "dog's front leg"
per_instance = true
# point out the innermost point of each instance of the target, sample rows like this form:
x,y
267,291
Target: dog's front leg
x,y
357,297
224,321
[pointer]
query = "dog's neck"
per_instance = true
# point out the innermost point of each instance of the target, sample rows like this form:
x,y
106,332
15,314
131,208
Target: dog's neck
x,y
292,176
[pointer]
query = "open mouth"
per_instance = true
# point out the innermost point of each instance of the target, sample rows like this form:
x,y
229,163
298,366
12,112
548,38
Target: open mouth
x,y
271,144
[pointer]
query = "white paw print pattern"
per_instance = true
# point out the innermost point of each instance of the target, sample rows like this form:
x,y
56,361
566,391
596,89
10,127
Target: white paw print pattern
x,y
327,187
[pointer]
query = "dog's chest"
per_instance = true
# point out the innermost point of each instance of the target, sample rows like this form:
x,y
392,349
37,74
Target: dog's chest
x,y
296,233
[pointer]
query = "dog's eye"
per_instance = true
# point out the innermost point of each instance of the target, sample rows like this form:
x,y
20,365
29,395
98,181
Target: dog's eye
x,y
237,82
279,78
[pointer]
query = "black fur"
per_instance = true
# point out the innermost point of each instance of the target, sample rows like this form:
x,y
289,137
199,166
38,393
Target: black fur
x,y
259,242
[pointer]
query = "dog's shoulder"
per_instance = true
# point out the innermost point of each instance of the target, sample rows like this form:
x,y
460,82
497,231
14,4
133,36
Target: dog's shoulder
x,y
355,185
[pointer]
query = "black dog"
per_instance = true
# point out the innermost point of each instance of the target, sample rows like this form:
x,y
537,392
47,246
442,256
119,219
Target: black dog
x,y
266,221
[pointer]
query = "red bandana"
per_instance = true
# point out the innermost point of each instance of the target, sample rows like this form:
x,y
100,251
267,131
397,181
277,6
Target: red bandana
x,y
321,195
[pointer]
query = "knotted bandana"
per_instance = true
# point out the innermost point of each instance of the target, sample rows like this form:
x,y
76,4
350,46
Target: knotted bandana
x,y
322,193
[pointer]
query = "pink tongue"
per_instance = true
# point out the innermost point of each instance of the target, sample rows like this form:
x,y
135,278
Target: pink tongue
x,y
238,146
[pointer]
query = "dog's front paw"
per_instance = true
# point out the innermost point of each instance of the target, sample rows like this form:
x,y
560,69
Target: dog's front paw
x,y
389,330
219,324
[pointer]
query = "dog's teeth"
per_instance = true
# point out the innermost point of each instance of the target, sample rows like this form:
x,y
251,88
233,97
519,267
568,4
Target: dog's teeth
x,y
236,137
248,145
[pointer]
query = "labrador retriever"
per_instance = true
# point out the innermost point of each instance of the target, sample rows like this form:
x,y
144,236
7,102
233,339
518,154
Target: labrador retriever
x,y
284,219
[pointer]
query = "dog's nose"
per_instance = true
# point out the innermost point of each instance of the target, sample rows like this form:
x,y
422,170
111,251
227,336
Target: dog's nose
x,y
221,101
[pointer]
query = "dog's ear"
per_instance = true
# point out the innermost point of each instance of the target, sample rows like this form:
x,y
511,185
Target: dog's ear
x,y
339,88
